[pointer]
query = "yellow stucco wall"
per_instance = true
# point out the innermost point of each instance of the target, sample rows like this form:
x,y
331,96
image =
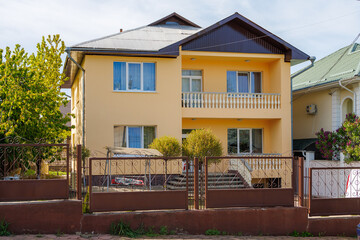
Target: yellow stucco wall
x,y
306,125
106,108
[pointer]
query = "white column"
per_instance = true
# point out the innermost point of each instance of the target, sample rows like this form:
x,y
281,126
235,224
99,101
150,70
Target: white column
x,y
357,103
336,114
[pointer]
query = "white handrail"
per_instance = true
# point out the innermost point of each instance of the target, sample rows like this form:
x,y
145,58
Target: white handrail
x,y
231,100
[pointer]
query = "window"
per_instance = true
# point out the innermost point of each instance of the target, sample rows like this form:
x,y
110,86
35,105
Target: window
x,y
243,82
134,76
191,80
133,136
185,133
244,141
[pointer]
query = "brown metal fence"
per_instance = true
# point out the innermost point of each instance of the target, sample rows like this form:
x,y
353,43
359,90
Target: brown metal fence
x,y
248,181
21,165
334,191
138,183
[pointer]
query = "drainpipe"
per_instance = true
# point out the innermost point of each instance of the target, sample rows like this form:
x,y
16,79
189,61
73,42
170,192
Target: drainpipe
x,y
354,93
312,59
67,50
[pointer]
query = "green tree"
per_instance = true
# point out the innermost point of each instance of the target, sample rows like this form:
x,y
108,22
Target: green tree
x,y
30,96
168,146
201,143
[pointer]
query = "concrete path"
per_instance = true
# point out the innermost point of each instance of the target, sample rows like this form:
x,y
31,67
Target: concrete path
x,y
173,237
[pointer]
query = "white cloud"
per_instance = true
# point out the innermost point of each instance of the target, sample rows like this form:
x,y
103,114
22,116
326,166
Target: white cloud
x,y
316,27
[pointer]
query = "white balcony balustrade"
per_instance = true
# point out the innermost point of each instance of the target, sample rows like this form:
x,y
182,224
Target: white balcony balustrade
x,y
231,100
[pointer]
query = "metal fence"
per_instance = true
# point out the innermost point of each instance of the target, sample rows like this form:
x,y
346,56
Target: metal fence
x,y
248,181
334,191
138,183
24,173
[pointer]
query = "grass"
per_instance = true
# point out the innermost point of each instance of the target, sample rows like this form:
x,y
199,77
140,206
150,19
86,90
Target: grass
x,y
302,234
124,229
4,228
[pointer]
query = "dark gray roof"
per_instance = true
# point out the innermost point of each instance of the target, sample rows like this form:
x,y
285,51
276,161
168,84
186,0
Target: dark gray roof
x,y
147,38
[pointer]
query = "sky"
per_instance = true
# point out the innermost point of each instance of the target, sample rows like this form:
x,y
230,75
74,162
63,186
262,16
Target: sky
x,y
317,27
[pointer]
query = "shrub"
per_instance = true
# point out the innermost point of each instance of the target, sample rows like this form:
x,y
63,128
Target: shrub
x,y
201,143
212,232
168,146
4,228
345,139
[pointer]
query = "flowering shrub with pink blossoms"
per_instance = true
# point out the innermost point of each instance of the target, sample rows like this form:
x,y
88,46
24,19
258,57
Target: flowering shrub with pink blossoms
x,y
345,139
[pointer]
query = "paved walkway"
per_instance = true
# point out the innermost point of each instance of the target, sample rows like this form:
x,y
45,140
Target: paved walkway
x,y
173,237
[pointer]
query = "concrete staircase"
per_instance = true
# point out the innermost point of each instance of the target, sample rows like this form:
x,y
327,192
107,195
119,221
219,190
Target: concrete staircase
x,y
229,180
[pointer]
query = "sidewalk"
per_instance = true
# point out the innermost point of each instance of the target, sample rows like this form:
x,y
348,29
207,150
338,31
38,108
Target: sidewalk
x,y
173,237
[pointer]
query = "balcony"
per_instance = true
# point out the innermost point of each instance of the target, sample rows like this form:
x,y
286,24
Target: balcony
x,y
230,105
231,100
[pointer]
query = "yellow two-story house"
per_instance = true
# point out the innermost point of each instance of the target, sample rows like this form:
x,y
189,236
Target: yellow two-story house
x,y
172,76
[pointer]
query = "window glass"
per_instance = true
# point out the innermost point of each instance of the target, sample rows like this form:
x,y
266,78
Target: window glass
x,y
196,73
134,77
196,85
231,81
232,141
186,84
149,76
119,76
243,83
134,137
244,141
149,136
256,140
256,82
119,136
186,73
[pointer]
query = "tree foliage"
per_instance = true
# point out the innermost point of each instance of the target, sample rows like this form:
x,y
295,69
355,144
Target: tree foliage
x,y
201,143
168,146
30,96
345,139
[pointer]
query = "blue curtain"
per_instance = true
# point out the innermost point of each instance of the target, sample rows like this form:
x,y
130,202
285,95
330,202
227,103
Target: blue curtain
x,y
134,76
119,76
149,76
134,137
243,83
231,81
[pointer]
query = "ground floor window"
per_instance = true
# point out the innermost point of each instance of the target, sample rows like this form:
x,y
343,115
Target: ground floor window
x,y
185,133
245,141
133,136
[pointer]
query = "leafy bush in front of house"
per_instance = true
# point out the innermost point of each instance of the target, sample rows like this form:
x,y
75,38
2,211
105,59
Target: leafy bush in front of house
x,y
201,143
168,146
345,139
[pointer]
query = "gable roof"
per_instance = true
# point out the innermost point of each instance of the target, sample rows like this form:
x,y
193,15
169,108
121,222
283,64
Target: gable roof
x,y
251,37
174,18
163,37
340,65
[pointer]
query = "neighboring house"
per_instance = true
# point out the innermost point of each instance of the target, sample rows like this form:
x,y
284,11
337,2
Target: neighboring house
x,y
172,76
66,110
324,94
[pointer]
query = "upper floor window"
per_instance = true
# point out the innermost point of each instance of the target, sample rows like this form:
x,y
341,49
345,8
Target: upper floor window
x,y
244,82
191,80
133,136
130,76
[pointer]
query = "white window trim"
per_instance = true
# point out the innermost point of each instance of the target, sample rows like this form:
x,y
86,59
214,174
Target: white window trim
x,y
141,78
141,136
249,81
191,78
250,135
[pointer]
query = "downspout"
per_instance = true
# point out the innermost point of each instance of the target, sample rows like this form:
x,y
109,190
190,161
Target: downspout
x,y
67,50
354,93
312,59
